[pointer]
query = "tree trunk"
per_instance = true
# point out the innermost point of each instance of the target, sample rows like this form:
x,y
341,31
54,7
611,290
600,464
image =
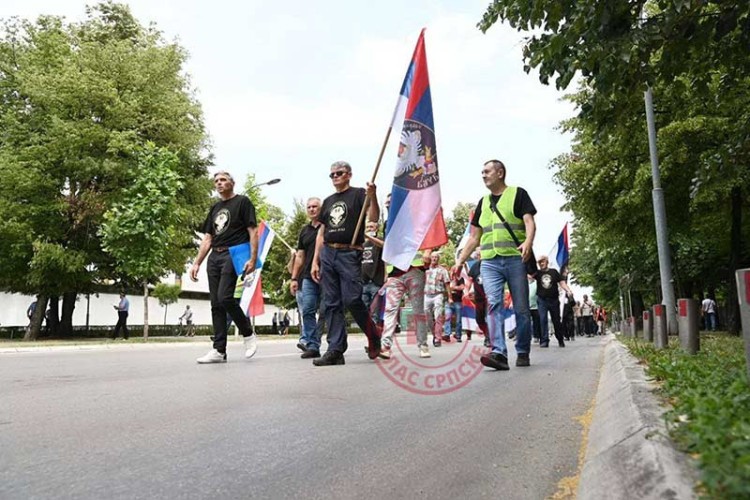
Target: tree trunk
x,y
166,306
68,306
145,310
735,257
53,321
32,333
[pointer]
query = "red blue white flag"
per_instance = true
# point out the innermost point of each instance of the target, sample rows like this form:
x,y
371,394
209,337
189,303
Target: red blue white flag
x,y
252,296
415,219
559,255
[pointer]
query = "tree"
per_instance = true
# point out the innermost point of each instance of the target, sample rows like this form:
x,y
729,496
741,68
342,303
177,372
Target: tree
x,y
166,294
693,53
457,222
77,101
142,231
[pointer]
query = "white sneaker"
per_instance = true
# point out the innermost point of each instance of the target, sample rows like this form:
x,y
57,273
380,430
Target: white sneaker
x,y
251,346
424,352
213,356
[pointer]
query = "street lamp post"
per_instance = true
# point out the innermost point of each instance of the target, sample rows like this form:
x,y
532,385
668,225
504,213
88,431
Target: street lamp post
x,y
267,183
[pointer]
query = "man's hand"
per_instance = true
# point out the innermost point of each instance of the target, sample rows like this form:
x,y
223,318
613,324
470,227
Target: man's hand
x,y
371,189
294,287
456,271
194,272
249,267
315,271
525,250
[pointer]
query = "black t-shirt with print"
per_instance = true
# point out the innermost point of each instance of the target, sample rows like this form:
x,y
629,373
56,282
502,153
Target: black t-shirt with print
x,y
457,295
522,205
306,243
228,220
339,213
546,283
372,263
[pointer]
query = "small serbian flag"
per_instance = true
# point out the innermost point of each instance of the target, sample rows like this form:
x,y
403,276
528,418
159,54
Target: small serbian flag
x,y
415,220
252,296
560,253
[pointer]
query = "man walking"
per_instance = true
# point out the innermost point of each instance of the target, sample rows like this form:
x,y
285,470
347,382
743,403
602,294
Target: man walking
x,y
436,287
453,309
122,308
548,300
230,223
708,309
505,209
304,288
373,268
337,264
587,315
187,316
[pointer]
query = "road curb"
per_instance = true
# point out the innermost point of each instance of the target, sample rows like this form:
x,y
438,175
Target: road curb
x,y
629,454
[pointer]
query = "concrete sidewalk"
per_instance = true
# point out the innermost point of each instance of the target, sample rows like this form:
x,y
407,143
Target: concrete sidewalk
x,y
629,453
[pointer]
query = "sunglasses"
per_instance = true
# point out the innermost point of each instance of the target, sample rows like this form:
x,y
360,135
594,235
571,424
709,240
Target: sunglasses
x,y
337,173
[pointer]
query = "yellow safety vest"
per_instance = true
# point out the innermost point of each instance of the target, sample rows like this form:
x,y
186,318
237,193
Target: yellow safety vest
x,y
496,239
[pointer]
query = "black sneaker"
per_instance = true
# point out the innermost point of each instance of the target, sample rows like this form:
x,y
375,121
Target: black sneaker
x,y
511,335
373,349
523,359
436,342
330,358
310,353
302,347
561,343
459,340
495,360
544,344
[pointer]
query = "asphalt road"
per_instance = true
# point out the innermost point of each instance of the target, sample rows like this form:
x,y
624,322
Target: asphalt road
x,y
148,422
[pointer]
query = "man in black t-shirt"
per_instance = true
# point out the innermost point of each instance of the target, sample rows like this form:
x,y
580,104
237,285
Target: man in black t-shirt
x,y
338,261
548,299
230,222
373,268
304,288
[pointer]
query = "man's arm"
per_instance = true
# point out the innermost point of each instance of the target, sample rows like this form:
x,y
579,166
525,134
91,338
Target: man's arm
x,y
250,264
315,271
205,246
475,234
564,285
375,240
299,258
528,245
447,284
373,211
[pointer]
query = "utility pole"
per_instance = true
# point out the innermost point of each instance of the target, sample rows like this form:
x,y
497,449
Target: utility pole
x,y
660,219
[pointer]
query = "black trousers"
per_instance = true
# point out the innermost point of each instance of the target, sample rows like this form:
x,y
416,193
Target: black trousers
x,y
536,326
222,280
122,324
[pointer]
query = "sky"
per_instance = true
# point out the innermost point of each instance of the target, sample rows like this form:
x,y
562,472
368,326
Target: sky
x,y
287,88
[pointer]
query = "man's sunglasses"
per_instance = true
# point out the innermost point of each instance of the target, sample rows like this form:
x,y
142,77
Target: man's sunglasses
x,y
337,173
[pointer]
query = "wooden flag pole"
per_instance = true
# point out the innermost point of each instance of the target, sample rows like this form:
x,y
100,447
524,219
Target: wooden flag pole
x,y
372,181
277,235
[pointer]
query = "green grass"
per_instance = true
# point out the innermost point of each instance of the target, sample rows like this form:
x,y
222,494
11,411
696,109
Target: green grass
x,y
710,416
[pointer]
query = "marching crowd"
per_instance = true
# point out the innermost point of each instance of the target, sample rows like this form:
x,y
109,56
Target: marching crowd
x,y
338,267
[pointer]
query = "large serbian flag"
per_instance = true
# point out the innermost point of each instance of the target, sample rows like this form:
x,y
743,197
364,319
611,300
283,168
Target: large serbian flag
x,y
559,255
251,300
415,220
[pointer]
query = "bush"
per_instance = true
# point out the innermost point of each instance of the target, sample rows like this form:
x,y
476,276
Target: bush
x,y
710,415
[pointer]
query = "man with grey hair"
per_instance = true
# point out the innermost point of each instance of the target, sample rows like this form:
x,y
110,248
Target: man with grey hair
x,y
337,263
230,222
502,218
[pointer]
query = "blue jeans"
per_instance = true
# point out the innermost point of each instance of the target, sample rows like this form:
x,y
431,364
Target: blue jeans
x,y
453,311
496,272
711,321
341,279
309,301
369,292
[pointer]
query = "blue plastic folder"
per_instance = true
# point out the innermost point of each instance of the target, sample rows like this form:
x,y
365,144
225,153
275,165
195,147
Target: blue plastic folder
x,y
240,255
